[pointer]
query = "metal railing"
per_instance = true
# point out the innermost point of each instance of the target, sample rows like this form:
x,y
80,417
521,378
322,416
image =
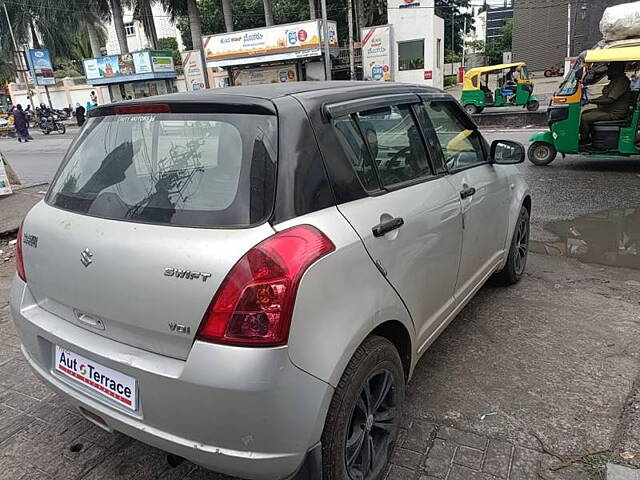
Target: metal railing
x,y
343,56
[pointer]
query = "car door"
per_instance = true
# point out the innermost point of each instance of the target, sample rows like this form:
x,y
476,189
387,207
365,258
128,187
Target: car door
x,y
481,188
410,223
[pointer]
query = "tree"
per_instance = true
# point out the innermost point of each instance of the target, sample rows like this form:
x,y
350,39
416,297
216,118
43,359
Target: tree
x,y
118,23
493,50
144,14
228,15
451,12
268,12
171,44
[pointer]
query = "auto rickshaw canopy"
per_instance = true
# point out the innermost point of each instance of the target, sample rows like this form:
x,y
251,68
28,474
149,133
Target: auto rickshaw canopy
x,y
471,77
618,54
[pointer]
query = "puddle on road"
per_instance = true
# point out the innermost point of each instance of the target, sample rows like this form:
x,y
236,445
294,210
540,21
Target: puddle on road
x,y
607,238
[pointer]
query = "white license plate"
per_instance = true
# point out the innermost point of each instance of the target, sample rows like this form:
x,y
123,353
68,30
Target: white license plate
x,y
114,385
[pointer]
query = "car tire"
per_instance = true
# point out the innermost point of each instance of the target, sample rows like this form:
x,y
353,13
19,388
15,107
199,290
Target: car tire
x,y
518,252
354,424
541,153
533,105
471,109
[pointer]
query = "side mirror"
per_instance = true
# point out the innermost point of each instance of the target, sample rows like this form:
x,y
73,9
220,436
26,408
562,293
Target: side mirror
x,y
507,152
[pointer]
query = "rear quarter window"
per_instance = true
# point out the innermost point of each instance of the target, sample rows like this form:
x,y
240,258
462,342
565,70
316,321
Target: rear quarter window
x,y
209,170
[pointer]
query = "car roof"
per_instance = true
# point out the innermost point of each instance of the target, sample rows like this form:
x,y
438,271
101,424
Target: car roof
x,y
273,91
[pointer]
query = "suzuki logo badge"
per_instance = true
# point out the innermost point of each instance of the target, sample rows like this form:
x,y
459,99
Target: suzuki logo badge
x,y
85,257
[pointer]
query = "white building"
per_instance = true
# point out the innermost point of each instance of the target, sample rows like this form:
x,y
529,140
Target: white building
x,y
418,36
136,38
479,15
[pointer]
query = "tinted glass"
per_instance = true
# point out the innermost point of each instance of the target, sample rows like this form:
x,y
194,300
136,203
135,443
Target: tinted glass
x,y
395,144
411,55
178,169
461,147
356,151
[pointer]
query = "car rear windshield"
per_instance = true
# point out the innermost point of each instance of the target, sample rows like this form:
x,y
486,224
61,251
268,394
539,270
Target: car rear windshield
x,y
206,170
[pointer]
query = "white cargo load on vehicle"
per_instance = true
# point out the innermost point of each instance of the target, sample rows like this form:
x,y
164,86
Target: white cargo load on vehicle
x,y
621,22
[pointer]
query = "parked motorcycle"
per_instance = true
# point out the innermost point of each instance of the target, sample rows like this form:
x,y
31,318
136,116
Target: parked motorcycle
x,y
554,71
49,123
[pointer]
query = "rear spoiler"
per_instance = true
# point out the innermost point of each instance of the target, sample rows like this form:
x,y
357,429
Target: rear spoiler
x,y
241,105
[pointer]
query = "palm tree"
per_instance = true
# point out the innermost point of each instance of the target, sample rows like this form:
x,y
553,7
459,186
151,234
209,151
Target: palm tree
x,y
118,23
312,9
268,12
97,12
228,15
143,13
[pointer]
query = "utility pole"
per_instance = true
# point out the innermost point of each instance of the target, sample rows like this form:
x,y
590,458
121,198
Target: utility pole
x,y
352,60
325,40
15,55
453,34
464,39
568,29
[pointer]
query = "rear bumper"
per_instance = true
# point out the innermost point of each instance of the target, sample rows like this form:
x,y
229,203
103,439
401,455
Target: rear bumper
x,y
245,412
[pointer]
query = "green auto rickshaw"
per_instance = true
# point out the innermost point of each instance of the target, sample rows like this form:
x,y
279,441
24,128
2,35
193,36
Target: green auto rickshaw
x,y
512,87
618,137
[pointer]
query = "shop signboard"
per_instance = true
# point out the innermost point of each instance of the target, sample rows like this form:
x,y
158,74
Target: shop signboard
x,y
259,76
193,71
377,55
40,67
143,65
268,44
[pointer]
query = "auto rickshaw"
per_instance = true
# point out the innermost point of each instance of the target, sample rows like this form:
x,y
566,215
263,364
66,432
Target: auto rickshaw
x,y
610,137
513,88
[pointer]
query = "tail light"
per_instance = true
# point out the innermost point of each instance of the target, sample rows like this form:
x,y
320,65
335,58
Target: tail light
x,y
254,303
19,258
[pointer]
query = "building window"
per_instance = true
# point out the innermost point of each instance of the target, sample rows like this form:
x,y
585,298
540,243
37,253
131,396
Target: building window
x,y
438,47
411,55
130,29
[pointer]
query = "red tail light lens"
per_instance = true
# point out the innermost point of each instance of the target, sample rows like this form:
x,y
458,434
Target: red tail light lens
x,y
19,258
254,303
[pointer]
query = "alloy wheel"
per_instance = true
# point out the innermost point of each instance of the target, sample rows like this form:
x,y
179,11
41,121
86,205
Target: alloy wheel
x,y
521,246
372,427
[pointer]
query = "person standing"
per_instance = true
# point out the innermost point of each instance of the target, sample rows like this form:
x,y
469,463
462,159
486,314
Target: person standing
x,y
80,111
21,124
94,98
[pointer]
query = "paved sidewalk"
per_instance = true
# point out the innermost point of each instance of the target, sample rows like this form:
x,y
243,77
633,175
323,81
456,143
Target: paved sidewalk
x,y
14,207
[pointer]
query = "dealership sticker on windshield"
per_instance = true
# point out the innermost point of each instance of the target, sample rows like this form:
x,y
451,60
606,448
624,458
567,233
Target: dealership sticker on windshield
x,y
115,385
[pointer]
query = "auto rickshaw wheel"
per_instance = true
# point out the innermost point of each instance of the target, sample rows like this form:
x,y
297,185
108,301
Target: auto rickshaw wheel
x,y
533,105
471,109
541,153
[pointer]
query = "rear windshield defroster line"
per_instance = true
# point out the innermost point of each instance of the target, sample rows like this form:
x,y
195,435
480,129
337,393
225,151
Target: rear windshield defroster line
x,y
193,170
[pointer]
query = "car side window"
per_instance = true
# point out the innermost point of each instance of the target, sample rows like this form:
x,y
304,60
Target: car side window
x,y
395,144
461,146
356,151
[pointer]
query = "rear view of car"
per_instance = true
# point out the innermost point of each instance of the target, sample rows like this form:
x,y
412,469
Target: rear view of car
x,y
153,212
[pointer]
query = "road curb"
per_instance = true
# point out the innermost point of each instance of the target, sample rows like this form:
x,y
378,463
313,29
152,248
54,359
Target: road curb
x,y
511,119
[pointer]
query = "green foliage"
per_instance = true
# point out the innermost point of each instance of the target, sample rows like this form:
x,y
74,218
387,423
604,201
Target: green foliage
x,y
451,11
450,80
171,44
493,50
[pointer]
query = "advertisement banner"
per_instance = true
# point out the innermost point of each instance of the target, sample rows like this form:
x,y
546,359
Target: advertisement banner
x,y
162,61
142,62
193,71
282,42
144,65
259,76
377,56
41,67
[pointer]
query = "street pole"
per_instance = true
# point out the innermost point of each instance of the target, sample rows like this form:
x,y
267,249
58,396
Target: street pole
x,y
568,29
464,39
352,60
46,89
15,55
453,34
325,40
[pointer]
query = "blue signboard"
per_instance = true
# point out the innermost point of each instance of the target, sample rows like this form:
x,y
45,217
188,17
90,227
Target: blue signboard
x,y
41,67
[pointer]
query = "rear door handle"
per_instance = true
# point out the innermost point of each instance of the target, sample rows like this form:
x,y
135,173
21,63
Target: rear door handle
x,y
386,227
467,192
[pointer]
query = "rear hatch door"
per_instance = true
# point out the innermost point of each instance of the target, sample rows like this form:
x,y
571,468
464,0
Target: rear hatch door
x,y
145,218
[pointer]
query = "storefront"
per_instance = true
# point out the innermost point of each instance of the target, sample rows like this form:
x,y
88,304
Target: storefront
x,y
278,54
133,75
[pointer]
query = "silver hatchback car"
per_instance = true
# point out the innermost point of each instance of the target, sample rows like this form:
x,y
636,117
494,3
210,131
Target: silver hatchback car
x,y
246,278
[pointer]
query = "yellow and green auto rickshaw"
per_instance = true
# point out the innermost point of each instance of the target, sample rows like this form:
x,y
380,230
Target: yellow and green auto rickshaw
x,y
512,87
613,137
